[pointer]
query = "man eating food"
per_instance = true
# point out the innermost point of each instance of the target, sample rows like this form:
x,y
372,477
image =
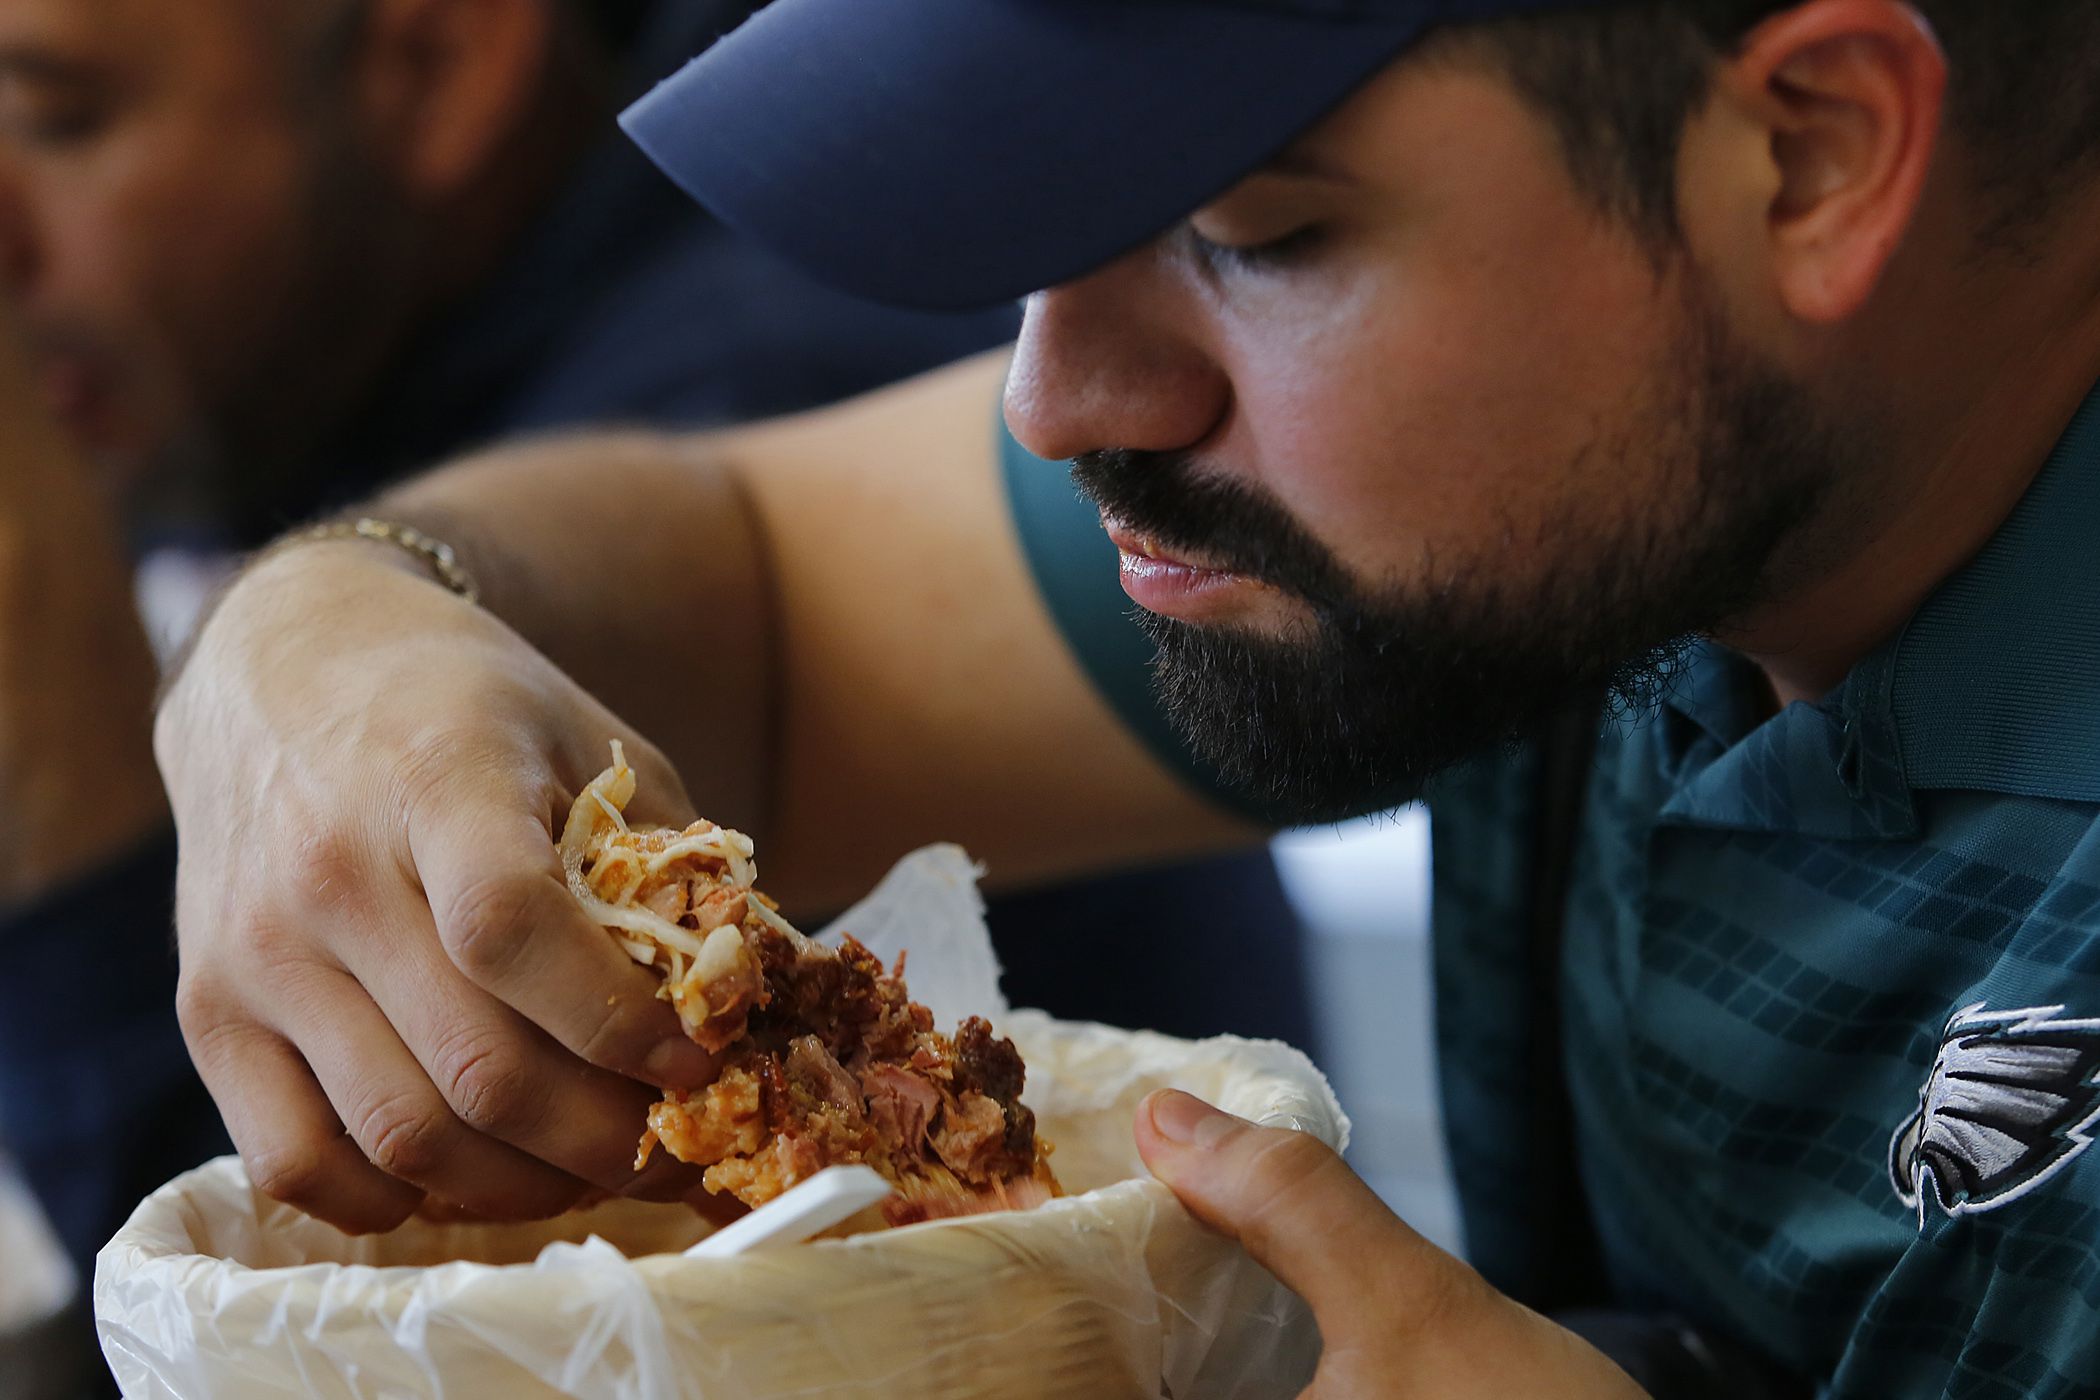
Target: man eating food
x,y
1717,373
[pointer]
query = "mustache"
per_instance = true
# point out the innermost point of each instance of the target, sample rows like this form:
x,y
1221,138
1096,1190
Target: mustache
x,y
1239,527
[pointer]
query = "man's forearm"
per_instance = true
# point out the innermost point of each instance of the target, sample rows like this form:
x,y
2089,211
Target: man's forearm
x,y
634,562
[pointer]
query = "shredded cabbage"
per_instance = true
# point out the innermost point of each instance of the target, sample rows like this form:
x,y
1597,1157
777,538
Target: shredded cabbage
x,y
771,915
600,813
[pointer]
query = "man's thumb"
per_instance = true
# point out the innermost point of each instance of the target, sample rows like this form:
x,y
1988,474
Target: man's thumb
x,y
1289,1200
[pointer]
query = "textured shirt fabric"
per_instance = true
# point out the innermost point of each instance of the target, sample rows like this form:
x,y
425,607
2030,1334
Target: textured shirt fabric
x,y
1782,932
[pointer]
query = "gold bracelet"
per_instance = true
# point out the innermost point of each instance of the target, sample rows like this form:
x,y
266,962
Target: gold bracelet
x,y
443,561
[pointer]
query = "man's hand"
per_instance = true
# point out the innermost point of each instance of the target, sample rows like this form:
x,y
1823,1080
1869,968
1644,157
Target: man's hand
x,y
1398,1316
76,674
385,981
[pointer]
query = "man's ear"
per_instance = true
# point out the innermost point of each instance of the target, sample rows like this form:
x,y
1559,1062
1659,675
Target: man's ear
x,y
441,85
1844,100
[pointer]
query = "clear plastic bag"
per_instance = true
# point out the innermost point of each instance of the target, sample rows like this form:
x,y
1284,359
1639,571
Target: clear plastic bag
x,y
213,1290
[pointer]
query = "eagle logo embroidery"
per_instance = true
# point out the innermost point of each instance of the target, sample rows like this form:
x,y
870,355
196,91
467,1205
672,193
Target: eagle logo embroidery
x,y
2012,1099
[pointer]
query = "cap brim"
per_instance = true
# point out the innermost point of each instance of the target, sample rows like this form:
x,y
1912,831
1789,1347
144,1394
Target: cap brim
x,y
956,153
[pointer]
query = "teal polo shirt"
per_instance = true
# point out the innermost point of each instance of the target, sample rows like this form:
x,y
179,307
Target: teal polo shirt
x,y
1830,992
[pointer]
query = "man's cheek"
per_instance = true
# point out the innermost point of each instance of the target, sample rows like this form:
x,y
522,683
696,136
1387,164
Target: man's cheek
x,y
1384,491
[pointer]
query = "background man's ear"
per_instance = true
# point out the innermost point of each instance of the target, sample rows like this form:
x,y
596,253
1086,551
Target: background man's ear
x,y
1847,99
441,84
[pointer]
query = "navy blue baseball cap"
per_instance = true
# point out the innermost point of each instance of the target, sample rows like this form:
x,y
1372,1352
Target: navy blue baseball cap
x,y
956,153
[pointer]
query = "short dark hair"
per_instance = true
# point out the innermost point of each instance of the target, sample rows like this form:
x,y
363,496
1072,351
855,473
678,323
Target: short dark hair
x,y
1620,80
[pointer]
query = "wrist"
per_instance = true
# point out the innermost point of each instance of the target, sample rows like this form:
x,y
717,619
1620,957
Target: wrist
x,y
436,557
325,575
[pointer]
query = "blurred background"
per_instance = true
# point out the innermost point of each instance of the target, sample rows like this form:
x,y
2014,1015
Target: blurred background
x,y
1362,892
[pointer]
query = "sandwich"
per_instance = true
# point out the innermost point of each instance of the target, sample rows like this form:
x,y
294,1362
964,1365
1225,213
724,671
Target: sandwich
x,y
825,1059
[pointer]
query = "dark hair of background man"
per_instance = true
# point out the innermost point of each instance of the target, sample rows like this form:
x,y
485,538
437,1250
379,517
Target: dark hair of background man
x,y
1620,81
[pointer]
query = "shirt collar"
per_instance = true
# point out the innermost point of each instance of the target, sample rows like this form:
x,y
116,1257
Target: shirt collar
x,y
1993,686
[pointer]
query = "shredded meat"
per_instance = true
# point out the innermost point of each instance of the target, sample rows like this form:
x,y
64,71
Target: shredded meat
x,y
926,1113
729,1119
901,1105
815,1074
972,1137
759,1177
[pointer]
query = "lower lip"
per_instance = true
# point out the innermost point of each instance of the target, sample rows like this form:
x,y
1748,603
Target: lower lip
x,y
1182,590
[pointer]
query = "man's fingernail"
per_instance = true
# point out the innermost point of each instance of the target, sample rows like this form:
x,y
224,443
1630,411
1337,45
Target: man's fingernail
x,y
677,1064
1188,1120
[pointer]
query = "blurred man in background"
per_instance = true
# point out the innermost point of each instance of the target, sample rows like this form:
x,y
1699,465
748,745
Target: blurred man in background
x,y
260,256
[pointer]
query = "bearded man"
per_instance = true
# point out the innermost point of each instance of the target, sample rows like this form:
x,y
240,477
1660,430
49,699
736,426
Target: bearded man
x,y
1724,368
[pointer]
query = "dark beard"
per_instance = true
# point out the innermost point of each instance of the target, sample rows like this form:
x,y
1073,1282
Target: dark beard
x,y
1357,710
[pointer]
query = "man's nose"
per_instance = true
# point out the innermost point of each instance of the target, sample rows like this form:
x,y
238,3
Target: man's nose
x,y
1112,361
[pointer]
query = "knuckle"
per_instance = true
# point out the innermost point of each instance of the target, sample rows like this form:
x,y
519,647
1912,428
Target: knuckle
x,y
488,922
407,1137
199,1010
218,1033
489,1089
431,759
266,944
291,1172
331,869
445,764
